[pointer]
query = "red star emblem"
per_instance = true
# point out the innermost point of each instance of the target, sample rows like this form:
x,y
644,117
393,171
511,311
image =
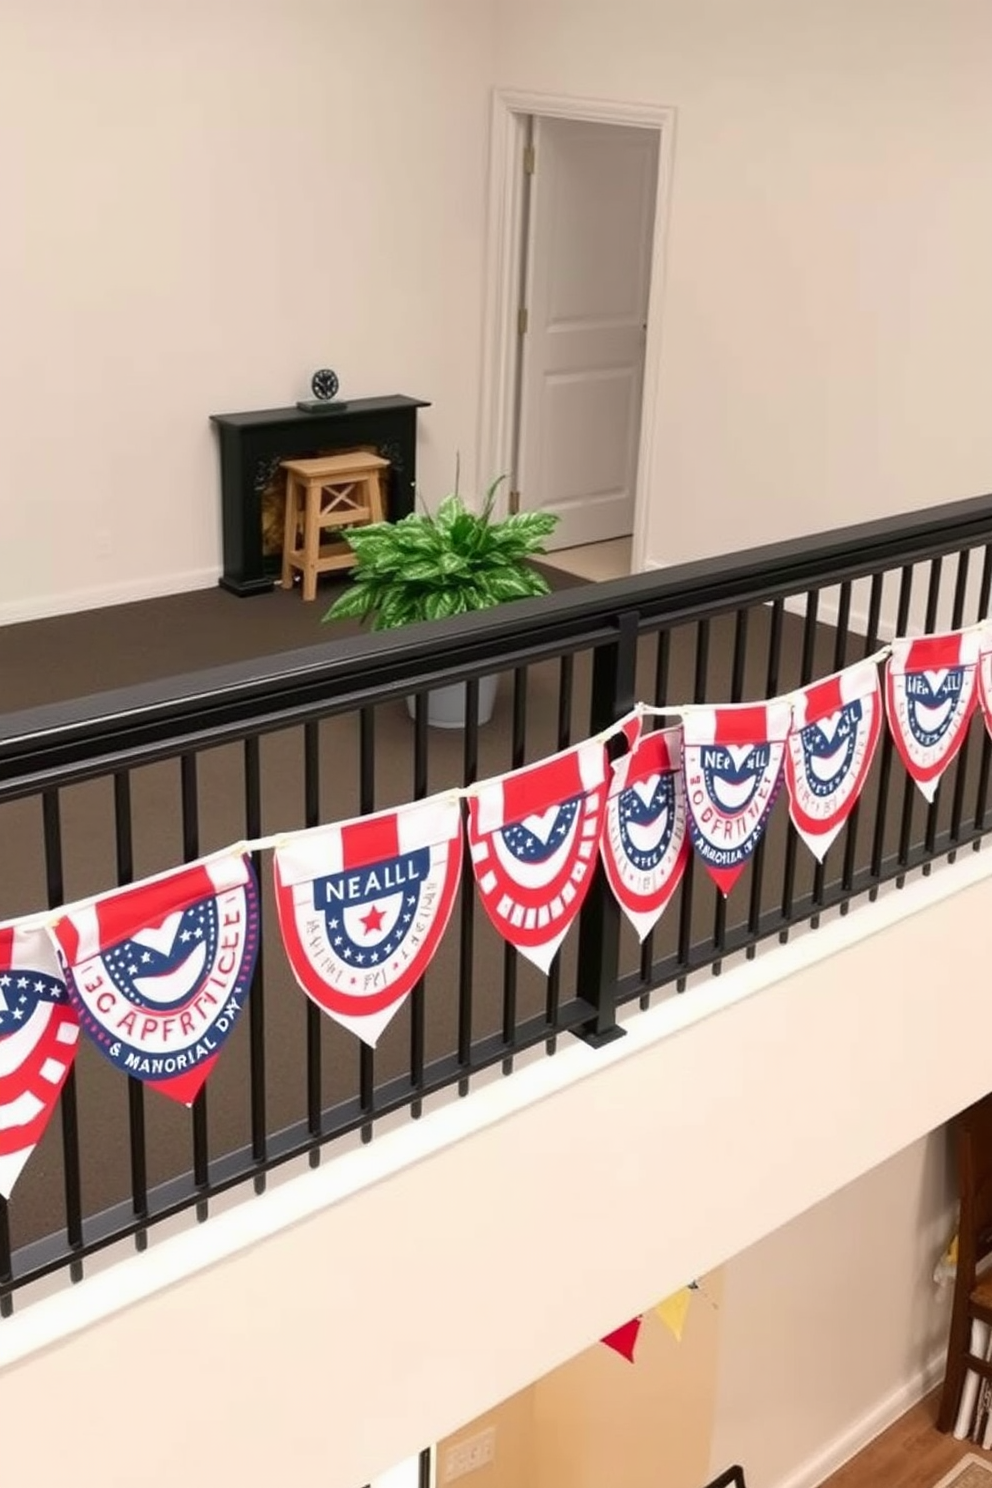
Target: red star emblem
x,y
373,920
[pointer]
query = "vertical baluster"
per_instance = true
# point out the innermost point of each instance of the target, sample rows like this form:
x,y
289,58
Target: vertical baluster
x,y
517,757
124,846
256,997
6,1264
55,885
190,810
688,878
466,948
758,860
366,804
840,659
417,1011
311,817
425,1476
851,828
792,836
957,619
885,769
910,788
661,664
736,695
566,687
614,677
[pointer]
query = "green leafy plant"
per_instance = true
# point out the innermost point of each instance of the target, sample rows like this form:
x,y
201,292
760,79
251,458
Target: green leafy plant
x,y
428,566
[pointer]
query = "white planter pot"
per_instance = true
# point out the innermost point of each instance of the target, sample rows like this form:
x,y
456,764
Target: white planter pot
x,y
446,706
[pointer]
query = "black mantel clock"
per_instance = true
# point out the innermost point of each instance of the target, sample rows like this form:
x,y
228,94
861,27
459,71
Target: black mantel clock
x,y
324,385
254,444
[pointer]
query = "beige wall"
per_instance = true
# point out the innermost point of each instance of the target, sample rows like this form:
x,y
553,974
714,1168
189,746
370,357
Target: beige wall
x,y
398,1291
204,200
600,1420
513,1464
827,303
795,1353
829,1325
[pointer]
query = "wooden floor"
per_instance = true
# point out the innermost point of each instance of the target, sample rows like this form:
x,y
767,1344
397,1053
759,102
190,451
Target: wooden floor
x,y
911,1454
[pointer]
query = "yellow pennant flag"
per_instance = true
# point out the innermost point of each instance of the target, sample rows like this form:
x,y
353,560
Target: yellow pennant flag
x,y
674,1310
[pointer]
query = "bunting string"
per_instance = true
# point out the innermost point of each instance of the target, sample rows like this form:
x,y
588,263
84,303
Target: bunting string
x,y
157,973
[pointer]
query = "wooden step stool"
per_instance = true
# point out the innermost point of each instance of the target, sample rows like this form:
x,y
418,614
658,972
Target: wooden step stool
x,y
333,492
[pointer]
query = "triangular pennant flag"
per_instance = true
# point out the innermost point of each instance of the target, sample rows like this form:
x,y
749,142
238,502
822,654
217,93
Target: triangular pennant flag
x,y
645,845
836,726
624,1340
931,690
363,905
674,1310
160,971
732,758
39,1032
534,835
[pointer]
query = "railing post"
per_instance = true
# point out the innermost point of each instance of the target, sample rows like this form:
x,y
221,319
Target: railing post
x,y
613,694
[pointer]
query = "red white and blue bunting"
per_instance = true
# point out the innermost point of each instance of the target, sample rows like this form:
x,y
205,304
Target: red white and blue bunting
x,y
836,725
931,691
732,759
157,973
645,845
534,835
38,1036
362,907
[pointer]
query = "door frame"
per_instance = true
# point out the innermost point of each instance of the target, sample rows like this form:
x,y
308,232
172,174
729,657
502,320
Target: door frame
x,y
510,111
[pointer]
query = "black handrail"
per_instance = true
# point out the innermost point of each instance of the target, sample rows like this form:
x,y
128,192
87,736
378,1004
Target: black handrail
x,y
221,701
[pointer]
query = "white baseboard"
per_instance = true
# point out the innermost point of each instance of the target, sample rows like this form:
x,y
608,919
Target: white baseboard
x,y
883,1414
99,596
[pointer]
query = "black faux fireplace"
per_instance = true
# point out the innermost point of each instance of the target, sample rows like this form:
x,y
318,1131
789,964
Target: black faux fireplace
x,y
252,447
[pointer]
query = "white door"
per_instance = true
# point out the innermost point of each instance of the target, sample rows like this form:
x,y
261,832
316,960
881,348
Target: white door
x,y
588,276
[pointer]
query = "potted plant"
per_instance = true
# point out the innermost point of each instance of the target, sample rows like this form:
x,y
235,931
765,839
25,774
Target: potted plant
x,y
428,566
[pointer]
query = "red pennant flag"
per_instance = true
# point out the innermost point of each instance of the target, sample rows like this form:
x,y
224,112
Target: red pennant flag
x,y
732,758
645,845
39,1032
624,1340
534,835
931,691
836,726
159,972
363,905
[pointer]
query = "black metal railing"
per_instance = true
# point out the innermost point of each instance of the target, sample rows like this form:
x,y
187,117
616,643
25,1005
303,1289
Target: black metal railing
x,y
102,791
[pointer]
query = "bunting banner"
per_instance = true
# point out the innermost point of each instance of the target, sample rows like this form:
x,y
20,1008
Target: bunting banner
x,y
362,907
623,1340
732,759
645,845
534,835
156,974
836,726
931,691
160,971
39,1032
